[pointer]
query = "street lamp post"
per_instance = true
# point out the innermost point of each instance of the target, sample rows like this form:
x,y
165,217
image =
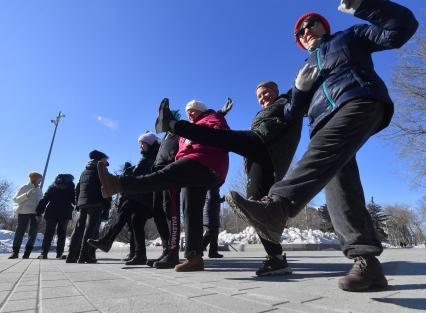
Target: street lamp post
x,y
56,122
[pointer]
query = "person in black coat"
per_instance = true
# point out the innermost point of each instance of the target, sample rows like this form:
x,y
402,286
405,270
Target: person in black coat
x,y
91,205
57,205
137,208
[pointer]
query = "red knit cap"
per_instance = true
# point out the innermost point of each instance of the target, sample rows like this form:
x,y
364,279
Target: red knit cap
x,y
322,19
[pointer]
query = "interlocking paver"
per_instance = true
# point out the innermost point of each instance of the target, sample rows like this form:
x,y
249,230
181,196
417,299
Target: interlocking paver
x,y
227,285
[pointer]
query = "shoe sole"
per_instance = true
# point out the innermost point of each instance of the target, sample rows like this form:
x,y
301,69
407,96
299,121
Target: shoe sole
x,y
281,271
263,232
379,285
94,245
159,127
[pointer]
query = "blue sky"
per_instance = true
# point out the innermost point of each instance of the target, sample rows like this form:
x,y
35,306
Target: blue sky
x,y
108,64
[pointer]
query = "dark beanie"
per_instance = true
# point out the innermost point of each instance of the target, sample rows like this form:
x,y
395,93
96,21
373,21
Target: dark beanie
x,y
97,155
321,18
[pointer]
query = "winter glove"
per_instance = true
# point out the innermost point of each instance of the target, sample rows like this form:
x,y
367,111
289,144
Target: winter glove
x,y
349,6
306,77
227,107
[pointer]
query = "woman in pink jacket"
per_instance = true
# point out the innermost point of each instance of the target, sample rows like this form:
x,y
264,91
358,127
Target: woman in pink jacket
x,y
197,168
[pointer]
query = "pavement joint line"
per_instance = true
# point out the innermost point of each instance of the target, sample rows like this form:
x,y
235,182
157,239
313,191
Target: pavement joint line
x,y
15,285
10,266
205,295
280,303
56,286
60,297
80,291
269,310
312,300
14,300
249,288
238,294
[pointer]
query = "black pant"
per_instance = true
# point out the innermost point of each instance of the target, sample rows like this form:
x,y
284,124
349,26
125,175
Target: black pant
x,y
23,221
168,201
87,227
247,144
196,179
330,162
60,225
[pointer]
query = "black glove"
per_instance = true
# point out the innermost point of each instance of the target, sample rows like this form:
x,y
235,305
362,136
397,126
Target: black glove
x,y
227,107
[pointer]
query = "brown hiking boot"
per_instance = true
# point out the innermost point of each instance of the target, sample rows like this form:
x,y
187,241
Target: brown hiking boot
x,y
110,183
267,216
192,264
366,273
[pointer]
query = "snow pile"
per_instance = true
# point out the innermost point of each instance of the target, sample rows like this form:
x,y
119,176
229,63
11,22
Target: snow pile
x,y
290,235
6,240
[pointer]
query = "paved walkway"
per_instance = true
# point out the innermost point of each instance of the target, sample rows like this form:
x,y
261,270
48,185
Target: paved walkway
x,y
227,285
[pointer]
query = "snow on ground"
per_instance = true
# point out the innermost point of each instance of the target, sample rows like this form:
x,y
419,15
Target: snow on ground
x,y
290,235
6,241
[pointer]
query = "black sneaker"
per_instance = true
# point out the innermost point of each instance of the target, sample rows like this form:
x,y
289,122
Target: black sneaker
x,y
128,257
151,262
14,255
366,273
42,257
137,260
274,266
215,255
164,117
267,216
26,255
170,260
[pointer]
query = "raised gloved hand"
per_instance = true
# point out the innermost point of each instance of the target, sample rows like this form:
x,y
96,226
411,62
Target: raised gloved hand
x,y
306,77
349,6
226,107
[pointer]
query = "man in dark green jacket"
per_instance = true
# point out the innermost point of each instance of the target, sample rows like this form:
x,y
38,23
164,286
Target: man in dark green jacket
x,y
268,148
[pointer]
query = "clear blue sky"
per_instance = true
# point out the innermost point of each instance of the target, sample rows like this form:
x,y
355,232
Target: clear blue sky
x,y
118,59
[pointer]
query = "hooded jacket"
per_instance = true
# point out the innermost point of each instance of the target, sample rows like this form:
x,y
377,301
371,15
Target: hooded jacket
x,y
213,158
88,190
346,66
58,200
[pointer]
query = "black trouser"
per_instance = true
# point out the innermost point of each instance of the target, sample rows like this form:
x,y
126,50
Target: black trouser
x,y
23,221
168,201
330,162
60,225
247,144
182,173
86,228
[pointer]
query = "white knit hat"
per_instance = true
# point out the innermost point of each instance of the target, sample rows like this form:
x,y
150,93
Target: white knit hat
x,y
196,105
148,137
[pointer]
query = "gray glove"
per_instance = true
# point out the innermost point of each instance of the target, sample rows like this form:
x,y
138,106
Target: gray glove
x,y
306,77
349,6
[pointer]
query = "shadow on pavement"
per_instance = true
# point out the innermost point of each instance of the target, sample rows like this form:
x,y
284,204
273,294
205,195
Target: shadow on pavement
x,y
412,303
404,268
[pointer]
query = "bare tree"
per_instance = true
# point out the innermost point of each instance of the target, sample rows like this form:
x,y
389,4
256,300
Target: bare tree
x,y
403,226
6,216
408,129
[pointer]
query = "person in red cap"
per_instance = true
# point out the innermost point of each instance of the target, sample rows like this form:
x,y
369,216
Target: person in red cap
x,y
346,103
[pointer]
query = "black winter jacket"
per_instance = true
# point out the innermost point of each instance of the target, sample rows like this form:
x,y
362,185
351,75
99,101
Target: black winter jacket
x,y
346,66
270,125
168,148
88,190
57,202
144,167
